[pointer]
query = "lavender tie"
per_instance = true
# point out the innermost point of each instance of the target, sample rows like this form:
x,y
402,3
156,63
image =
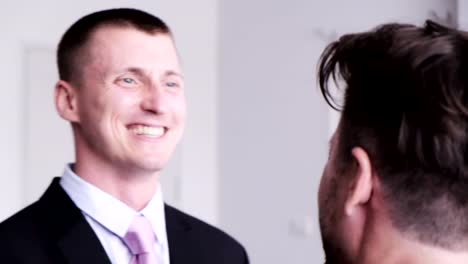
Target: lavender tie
x,y
140,240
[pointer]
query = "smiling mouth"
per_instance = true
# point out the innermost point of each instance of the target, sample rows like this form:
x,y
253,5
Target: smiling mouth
x,y
147,131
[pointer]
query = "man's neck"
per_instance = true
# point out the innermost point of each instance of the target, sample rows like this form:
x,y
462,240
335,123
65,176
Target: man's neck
x,y
388,246
133,188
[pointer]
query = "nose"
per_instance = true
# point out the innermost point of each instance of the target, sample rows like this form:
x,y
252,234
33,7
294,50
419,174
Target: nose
x,y
154,100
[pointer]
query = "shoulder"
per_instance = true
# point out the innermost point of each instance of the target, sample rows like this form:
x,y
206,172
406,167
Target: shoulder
x,y
22,230
20,222
198,226
206,236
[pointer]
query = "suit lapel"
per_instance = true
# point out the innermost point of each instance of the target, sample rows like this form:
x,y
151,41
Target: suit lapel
x,y
181,249
67,226
80,245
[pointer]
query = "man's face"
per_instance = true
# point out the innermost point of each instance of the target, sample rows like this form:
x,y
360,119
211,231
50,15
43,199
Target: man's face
x,y
130,100
331,201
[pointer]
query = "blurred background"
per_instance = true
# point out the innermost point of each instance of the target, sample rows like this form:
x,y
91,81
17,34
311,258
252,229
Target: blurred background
x,y
257,132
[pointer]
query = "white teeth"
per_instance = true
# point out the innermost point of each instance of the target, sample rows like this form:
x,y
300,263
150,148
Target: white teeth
x,y
147,131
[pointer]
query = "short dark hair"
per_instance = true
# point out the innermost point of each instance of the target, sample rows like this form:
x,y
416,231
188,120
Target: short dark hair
x,y
75,38
406,103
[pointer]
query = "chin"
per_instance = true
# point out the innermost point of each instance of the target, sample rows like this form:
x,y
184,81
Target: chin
x,y
152,167
144,166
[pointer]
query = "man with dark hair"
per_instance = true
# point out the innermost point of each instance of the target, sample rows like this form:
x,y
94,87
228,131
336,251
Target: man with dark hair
x,y
395,187
122,90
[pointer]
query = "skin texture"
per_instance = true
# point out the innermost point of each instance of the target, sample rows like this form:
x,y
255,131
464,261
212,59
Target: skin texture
x,y
127,111
355,223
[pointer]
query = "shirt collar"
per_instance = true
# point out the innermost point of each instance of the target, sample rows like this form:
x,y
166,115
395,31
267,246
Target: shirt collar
x,y
110,212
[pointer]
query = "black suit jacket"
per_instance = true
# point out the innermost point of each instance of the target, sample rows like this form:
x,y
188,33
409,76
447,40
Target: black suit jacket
x,y
53,230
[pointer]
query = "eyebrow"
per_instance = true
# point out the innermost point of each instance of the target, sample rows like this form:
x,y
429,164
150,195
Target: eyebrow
x,y
141,72
174,73
134,70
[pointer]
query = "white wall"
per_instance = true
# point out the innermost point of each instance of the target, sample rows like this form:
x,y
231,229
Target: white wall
x,y
274,125
463,14
273,131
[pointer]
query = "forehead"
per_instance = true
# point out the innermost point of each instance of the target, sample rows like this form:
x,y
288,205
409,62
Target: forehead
x,y
113,45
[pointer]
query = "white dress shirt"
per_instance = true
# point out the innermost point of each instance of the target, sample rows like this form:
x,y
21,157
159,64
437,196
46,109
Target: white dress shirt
x,y
110,218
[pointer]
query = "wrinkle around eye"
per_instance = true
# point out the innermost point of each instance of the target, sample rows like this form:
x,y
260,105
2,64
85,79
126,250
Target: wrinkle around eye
x,y
127,82
173,84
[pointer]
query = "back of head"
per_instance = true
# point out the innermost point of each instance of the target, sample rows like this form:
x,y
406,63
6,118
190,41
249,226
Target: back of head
x,y
406,103
70,52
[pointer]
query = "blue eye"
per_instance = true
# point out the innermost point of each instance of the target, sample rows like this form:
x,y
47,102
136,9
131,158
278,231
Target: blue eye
x,y
128,80
172,84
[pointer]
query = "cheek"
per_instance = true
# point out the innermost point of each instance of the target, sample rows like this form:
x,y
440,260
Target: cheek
x,y
120,104
324,185
328,195
321,191
325,209
179,109
113,112
91,111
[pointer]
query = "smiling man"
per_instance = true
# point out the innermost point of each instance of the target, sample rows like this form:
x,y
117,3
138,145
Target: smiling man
x,y
395,187
122,90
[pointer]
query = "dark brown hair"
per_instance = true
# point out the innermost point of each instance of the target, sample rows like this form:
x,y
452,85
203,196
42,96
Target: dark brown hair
x,y
70,48
406,103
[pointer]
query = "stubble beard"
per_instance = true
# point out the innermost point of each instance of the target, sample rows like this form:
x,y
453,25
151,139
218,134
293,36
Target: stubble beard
x,y
334,253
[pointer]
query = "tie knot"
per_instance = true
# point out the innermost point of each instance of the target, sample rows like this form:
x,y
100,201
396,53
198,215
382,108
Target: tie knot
x,y
140,236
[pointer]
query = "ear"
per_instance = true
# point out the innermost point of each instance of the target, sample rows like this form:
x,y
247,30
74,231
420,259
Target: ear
x,y
360,189
66,101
